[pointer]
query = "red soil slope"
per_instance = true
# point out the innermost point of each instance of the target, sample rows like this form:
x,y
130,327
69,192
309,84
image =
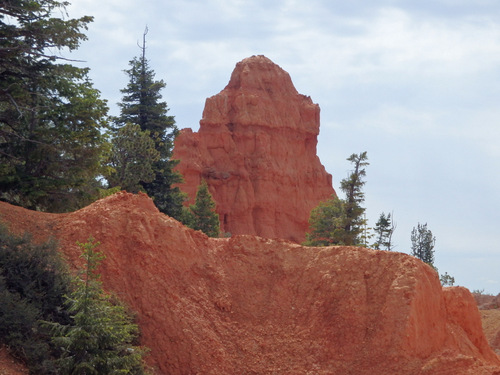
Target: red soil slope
x,y
248,305
10,366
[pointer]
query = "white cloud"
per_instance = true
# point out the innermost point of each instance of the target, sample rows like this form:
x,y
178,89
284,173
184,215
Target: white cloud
x,y
395,45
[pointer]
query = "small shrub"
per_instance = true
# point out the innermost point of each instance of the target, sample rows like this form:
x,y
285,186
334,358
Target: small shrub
x,y
33,282
447,280
99,339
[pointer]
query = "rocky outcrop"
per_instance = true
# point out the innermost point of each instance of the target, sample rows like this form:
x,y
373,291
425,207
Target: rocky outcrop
x,y
486,301
489,306
256,148
491,327
249,305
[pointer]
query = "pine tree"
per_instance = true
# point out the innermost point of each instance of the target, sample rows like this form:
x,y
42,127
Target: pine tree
x,y
341,221
203,213
51,118
422,244
352,187
366,234
142,105
384,228
99,341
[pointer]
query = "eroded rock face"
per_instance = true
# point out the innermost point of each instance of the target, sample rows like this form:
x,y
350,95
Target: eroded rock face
x,y
248,305
256,148
489,306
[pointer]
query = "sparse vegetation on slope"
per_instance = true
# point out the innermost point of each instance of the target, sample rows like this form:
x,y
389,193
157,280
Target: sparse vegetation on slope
x,y
37,299
33,282
99,338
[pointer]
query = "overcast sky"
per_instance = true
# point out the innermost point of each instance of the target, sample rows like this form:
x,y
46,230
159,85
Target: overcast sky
x,y
413,83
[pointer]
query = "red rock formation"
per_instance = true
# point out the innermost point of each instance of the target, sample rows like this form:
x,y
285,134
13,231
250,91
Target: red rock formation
x,y
256,148
489,306
248,305
487,301
491,327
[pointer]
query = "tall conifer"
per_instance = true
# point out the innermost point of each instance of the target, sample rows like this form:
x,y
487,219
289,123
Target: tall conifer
x,y
142,105
341,221
422,244
353,189
51,117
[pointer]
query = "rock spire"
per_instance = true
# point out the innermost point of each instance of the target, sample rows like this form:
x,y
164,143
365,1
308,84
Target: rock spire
x,y
256,148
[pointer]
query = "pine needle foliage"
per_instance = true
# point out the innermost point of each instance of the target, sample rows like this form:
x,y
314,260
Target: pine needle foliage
x,y
99,340
422,244
142,105
327,223
51,116
384,228
352,186
33,282
341,221
132,157
202,214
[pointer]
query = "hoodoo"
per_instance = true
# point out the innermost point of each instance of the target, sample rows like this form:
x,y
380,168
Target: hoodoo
x,y
256,148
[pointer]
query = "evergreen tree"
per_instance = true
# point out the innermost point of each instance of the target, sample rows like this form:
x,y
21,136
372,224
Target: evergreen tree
x,y
366,234
447,280
51,117
327,224
341,221
352,188
142,105
203,215
99,341
422,244
33,283
384,228
132,157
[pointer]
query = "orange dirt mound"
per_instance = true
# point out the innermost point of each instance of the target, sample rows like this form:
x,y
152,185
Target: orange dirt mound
x,y
249,305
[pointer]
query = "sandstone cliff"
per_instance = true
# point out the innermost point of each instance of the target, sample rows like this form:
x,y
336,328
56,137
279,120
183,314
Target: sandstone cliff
x,y
256,148
248,305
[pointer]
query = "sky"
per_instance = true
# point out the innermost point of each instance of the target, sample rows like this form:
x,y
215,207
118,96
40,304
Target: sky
x,y
413,83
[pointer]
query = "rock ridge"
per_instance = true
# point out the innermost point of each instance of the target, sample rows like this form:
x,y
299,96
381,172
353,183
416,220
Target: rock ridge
x,y
250,305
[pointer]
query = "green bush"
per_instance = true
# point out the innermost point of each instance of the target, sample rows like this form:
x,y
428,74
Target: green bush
x,y
57,325
33,282
100,338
